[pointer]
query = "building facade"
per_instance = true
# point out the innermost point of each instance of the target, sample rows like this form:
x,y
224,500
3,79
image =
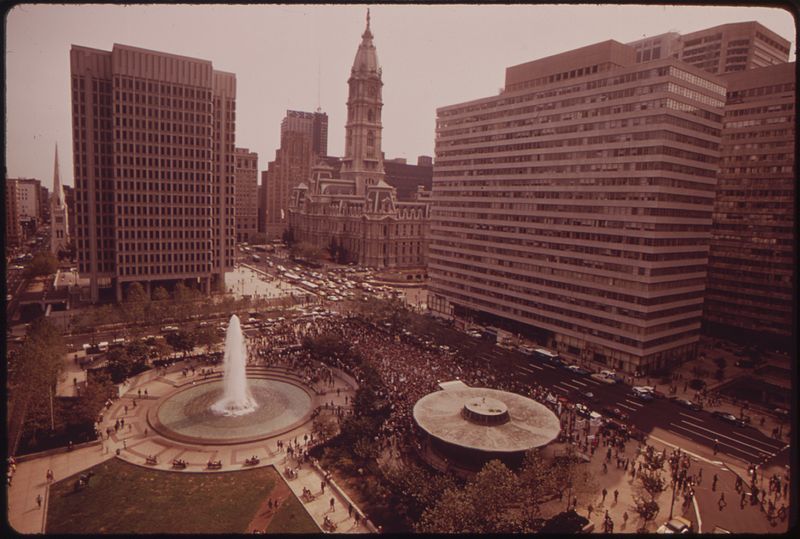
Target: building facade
x,y
304,138
356,209
246,194
29,206
69,200
722,49
153,137
13,236
407,179
575,207
751,265
59,222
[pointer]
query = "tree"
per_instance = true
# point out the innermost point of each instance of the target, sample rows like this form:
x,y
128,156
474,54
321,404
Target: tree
x,y
288,236
646,509
259,238
98,390
160,294
305,251
333,247
136,303
653,482
119,364
42,263
325,426
181,341
206,337
489,503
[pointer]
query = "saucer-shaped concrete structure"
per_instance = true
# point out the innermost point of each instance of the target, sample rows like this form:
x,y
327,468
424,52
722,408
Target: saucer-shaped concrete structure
x,y
186,415
469,426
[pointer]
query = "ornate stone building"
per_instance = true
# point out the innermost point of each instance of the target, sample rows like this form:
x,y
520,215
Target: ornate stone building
x,y
358,209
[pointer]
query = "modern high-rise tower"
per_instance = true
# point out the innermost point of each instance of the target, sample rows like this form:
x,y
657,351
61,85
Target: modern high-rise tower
x,y
304,138
153,138
575,207
751,270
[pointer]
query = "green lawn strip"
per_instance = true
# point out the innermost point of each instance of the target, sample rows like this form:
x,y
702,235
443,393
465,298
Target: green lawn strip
x,y
292,518
124,498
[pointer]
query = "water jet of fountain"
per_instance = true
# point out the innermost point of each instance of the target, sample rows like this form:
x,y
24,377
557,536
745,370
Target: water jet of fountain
x,y
236,397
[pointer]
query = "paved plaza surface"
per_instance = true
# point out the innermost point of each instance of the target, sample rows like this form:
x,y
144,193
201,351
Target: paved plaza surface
x,y
135,442
244,280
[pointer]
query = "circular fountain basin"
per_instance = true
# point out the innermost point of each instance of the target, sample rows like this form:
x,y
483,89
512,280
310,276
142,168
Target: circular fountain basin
x,y
187,416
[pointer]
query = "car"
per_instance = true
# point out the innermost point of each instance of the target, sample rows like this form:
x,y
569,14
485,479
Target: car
x,y
582,410
615,413
578,370
602,378
642,393
686,403
588,396
676,525
729,418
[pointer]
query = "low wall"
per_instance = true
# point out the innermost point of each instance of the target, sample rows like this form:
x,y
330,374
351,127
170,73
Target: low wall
x,y
55,451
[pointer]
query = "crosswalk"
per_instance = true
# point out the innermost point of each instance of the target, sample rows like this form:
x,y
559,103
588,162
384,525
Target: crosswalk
x,y
735,443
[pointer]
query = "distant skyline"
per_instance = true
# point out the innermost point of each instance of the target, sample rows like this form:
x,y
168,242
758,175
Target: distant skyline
x,y
299,57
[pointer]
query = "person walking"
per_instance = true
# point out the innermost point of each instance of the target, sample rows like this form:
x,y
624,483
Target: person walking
x,y
590,509
333,503
616,495
722,503
39,500
605,493
350,510
624,518
322,486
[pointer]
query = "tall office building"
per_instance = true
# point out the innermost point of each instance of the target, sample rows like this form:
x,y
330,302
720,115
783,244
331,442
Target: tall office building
x,y
13,236
153,137
407,178
59,224
575,207
44,204
246,194
751,264
304,137
29,206
722,49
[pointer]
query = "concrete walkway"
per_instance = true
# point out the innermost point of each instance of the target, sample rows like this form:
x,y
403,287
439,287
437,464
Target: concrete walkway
x,y
135,441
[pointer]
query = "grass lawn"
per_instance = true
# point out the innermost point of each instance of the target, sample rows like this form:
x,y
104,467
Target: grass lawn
x,y
292,518
124,498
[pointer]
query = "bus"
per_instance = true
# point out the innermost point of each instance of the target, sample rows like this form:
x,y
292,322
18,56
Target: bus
x,y
543,354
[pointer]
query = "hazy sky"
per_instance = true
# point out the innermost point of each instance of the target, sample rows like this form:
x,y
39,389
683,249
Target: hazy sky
x,y
299,57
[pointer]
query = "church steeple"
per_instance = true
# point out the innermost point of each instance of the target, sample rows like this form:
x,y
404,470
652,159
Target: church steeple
x,y
58,192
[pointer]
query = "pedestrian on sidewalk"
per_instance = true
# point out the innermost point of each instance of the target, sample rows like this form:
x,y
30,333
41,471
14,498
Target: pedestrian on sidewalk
x,y
714,484
322,486
39,500
350,510
616,495
624,518
333,503
605,493
590,509
722,503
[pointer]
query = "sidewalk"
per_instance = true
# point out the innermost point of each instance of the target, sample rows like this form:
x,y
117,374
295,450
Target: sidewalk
x,y
136,442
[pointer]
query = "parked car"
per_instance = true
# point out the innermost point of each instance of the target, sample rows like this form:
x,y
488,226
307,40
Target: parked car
x,y
676,525
603,378
686,403
642,393
730,418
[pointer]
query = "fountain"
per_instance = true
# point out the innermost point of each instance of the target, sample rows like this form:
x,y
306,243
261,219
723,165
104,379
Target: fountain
x,y
236,397
234,408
